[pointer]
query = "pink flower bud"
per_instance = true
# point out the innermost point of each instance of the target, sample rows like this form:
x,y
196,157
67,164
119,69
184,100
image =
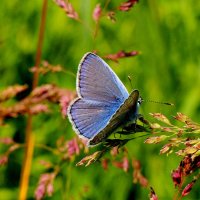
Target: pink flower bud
x,y
40,192
188,188
6,140
126,6
153,195
177,176
125,164
97,13
73,148
161,118
50,189
181,117
3,160
68,8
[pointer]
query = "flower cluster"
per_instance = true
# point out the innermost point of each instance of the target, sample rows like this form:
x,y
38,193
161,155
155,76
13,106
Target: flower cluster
x,y
46,67
45,185
126,6
11,147
121,54
34,103
117,159
68,8
184,141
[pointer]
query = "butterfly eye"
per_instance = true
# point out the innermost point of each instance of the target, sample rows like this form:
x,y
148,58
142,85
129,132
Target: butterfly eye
x,y
140,100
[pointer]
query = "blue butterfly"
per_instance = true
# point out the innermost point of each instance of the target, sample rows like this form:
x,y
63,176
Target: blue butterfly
x,y
103,103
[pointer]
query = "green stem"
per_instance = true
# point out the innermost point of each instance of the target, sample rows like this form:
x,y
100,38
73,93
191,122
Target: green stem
x,y
29,136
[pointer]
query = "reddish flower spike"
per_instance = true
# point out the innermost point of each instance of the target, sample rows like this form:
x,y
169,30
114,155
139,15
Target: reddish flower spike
x,y
153,195
126,6
68,8
125,164
177,176
6,140
3,160
97,13
104,163
73,148
188,188
137,175
11,91
64,103
121,54
45,185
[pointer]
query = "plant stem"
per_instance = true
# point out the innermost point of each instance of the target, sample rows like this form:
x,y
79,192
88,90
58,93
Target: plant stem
x,y
29,136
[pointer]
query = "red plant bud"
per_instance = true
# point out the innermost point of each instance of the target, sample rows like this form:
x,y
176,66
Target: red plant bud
x,y
11,92
68,8
188,188
136,164
156,139
198,164
121,54
73,148
3,160
64,103
137,175
46,164
161,118
88,160
6,140
39,108
104,163
177,176
181,117
111,16
114,151
50,189
166,148
45,68
143,181
97,13
153,195
126,6
40,192
45,185
187,165
125,164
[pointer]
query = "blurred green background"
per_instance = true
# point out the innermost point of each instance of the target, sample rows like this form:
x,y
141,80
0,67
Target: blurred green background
x,y
167,35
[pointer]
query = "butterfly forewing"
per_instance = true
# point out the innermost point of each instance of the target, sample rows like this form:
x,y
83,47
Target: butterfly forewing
x,y
96,81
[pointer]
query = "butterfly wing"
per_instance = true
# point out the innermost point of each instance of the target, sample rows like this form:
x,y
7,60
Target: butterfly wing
x,y
100,94
128,111
96,81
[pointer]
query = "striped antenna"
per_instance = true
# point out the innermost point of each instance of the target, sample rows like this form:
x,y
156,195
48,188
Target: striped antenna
x,y
130,81
165,103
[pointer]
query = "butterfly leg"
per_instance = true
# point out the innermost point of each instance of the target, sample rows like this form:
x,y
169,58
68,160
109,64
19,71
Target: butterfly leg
x,y
115,135
143,120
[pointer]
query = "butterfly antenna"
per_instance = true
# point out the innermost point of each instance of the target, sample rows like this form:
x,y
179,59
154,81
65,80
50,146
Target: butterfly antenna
x,y
165,103
130,81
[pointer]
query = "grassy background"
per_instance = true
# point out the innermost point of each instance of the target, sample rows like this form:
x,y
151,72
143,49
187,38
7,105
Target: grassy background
x,y
167,69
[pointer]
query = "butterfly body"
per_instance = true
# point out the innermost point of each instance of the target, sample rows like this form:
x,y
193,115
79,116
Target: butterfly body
x,y
103,103
127,112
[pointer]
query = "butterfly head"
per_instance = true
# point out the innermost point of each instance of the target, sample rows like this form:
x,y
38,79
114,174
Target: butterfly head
x,y
140,100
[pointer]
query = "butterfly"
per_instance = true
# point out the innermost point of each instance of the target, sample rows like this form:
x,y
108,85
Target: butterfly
x,y
103,104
